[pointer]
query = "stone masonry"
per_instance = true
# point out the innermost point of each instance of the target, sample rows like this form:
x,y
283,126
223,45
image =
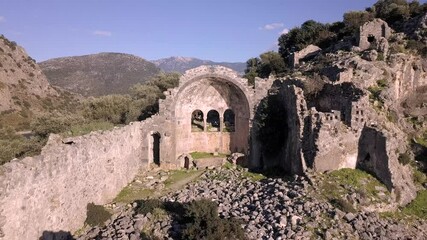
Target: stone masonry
x,y
333,130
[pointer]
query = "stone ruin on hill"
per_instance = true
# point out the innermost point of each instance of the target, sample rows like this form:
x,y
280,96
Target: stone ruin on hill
x,y
215,110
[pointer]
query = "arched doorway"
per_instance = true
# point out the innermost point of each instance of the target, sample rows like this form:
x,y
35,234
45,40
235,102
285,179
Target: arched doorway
x,y
156,148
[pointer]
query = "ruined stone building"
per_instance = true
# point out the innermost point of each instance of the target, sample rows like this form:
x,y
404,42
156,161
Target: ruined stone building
x,y
215,110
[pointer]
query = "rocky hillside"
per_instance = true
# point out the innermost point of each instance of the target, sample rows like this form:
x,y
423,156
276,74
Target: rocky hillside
x,y
181,64
24,89
21,79
98,74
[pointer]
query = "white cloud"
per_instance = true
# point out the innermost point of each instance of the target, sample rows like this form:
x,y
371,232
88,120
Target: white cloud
x,y
284,31
2,18
102,33
271,26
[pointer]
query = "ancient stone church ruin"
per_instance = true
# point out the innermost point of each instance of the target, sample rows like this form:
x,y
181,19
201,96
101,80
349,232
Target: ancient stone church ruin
x,y
215,110
212,110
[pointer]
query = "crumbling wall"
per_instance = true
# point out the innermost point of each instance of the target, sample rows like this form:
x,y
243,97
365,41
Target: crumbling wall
x,y
310,51
378,154
372,32
50,192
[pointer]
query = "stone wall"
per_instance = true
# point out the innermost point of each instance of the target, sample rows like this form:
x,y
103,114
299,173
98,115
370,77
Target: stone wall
x,y
378,154
309,51
50,192
372,32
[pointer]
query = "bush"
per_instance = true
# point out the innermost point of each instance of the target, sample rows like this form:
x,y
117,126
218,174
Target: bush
x,y
202,222
17,146
404,158
45,125
147,206
96,215
419,177
111,108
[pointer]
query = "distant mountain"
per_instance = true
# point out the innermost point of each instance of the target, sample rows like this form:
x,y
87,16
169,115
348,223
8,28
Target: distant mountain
x,y
98,74
181,64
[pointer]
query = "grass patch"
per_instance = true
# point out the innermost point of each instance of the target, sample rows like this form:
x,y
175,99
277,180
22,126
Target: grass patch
x,y
418,207
129,194
338,184
199,155
253,176
357,178
179,175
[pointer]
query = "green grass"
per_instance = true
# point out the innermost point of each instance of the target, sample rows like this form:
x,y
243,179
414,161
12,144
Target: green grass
x,y
356,178
253,176
337,184
198,155
422,139
129,194
418,207
85,128
180,175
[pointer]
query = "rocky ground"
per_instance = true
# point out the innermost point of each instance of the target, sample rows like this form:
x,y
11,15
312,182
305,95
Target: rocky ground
x,y
271,208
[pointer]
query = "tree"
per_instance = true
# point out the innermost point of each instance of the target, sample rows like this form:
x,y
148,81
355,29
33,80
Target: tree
x,y
354,19
271,63
251,70
112,108
392,11
165,81
310,32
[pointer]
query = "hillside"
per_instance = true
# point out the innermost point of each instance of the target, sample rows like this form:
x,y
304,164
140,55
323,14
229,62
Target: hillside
x,y
24,90
181,64
98,74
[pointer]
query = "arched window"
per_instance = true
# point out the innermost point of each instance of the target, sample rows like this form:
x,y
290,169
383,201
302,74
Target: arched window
x,y
212,120
229,121
197,122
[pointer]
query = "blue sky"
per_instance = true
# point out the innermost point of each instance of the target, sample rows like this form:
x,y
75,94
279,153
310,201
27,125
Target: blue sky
x,y
219,30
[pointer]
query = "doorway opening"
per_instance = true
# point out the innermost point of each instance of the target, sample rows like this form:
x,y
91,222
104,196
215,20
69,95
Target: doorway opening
x,y
156,148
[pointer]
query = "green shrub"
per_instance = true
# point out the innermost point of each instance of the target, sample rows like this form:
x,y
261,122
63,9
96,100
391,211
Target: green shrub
x,y
16,146
202,222
147,206
45,125
96,215
419,177
404,158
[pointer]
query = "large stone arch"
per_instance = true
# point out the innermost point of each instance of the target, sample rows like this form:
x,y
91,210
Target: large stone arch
x,y
209,88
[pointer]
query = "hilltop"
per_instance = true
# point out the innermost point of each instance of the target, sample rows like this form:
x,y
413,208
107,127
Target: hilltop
x,y
98,74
